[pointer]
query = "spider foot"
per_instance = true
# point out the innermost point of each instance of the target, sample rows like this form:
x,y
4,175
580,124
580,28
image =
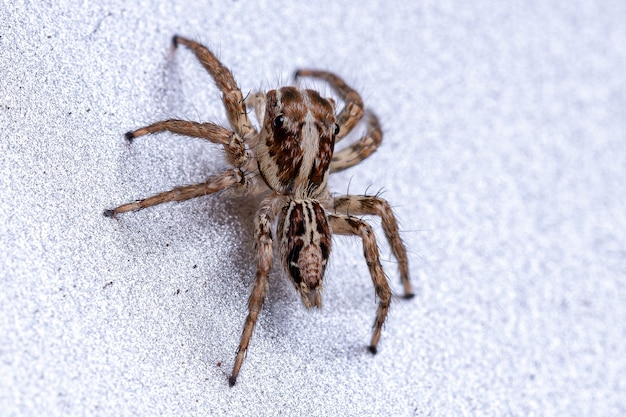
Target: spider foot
x,y
408,296
109,213
175,41
129,136
373,349
231,381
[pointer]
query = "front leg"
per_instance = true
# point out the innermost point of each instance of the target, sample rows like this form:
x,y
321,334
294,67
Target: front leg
x,y
349,116
353,110
351,226
231,94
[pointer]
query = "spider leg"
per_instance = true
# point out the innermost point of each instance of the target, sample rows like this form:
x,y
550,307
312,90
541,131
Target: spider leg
x,y
351,226
227,179
233,145
360,149
265,253
372,205
349,116
231,94
353,110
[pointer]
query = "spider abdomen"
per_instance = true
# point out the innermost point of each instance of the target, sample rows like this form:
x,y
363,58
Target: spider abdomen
x,y
305,247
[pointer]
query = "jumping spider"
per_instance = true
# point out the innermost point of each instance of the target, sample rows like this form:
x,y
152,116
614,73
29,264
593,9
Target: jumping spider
x,y
287,163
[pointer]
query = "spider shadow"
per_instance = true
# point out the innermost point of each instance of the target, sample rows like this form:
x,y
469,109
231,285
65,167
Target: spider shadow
x,y
235,216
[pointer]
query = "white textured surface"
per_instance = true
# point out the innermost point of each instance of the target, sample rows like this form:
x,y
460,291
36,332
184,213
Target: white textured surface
x,y
504,156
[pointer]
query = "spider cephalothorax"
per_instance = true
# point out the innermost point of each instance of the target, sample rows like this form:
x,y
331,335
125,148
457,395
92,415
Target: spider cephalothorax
x,y
287,163
296,142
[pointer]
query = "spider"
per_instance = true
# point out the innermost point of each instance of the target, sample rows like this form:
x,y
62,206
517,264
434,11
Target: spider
x,y
286,163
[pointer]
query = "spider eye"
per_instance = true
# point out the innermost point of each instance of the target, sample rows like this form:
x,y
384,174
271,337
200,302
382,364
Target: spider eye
x,y
336,129
278,121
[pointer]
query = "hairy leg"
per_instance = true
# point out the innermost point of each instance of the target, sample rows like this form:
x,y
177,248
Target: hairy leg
x,y
349,116
351,226
265,253
236,154
353,110
372,205
227,179
231,94
360,149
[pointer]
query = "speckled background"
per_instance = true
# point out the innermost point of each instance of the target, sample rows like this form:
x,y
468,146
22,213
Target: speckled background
x,y
504,157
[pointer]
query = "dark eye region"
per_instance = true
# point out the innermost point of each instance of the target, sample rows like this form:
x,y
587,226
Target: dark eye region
x,y
279,121
336,129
